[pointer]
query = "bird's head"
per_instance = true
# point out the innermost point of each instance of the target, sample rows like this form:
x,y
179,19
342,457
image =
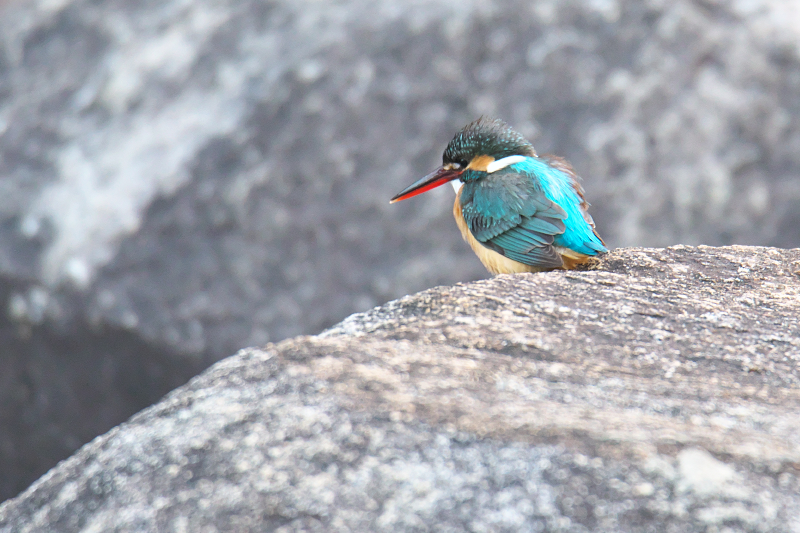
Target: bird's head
x,y
480,148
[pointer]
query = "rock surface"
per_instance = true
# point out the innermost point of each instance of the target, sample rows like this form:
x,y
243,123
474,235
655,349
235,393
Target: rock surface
x,y
179,180
656,392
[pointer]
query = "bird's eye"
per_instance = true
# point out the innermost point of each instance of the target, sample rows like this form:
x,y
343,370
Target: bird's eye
x,y
463,164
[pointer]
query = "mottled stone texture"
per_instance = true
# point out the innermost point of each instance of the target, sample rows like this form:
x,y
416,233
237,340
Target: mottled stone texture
x,y
179,180
656,392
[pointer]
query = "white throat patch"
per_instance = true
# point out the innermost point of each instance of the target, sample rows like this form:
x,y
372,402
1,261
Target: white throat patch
x,y
494,166
456,183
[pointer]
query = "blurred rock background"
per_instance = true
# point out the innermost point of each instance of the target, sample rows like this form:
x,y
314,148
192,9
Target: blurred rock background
x,y
181,179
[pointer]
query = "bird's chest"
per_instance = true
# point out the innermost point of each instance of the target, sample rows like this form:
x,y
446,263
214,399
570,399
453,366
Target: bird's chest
x,y
493,261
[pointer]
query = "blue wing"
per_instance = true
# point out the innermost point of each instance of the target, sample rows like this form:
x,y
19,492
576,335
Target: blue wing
x,y
559,182
526,210
507,214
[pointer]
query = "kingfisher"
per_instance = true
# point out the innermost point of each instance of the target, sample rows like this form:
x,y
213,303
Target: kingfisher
x,y
519,212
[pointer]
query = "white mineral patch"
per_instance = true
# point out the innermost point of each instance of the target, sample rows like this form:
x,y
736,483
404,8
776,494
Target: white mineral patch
x,y
704,475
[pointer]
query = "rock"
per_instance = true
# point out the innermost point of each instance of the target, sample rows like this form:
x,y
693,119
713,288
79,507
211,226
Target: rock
x,y
182,180
657,391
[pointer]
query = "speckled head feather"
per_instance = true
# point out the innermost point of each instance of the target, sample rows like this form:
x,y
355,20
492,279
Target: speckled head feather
x,y
486,136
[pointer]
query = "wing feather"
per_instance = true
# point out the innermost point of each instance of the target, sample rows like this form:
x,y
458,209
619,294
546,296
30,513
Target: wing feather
x,y
506,213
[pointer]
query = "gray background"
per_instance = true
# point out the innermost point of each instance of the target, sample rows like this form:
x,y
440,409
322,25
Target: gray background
x,y
182,179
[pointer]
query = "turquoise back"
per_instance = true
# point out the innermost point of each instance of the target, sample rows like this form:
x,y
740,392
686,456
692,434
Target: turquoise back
x,y
560,187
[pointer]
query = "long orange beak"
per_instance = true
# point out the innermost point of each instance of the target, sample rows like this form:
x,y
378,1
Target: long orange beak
x,y
436,178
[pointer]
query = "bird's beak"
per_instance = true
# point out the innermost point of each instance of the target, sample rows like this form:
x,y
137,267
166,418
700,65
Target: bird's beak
x,y
438,177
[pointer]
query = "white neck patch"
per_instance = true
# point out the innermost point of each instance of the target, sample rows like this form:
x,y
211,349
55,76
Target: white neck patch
x,y
456,183
494,166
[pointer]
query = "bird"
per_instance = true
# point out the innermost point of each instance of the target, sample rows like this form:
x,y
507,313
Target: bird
x,y
519,212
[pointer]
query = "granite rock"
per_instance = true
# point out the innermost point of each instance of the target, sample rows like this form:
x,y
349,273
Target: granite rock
x,y
184,179
657,391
